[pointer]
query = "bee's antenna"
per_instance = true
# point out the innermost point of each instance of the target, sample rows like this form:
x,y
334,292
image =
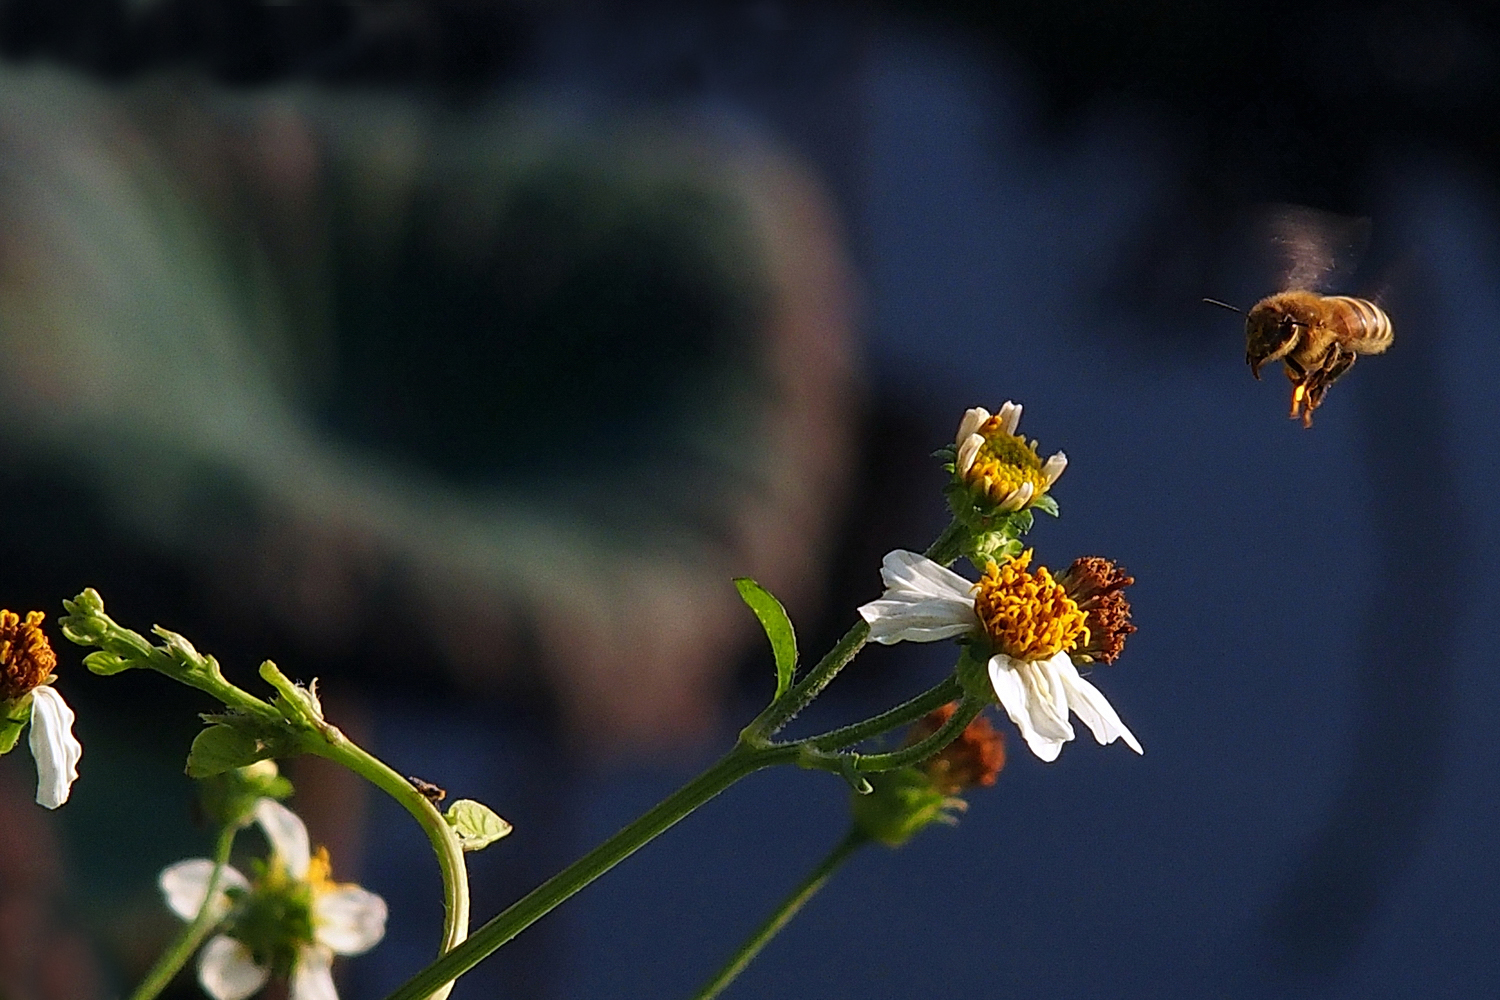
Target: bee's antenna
x,y
1224,305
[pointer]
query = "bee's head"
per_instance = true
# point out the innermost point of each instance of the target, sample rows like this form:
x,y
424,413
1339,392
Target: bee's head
x,y
1271,332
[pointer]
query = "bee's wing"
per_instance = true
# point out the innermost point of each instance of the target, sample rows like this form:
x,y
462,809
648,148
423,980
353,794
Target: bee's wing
x,y
1310,248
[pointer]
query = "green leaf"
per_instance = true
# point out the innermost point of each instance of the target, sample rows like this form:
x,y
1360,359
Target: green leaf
x,y
105,663
1020,522
477,825
778,628
1045,504
219,748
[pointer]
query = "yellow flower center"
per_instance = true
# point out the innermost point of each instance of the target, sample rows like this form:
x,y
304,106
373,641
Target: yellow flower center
x,y
320,872
1027,615
1003,463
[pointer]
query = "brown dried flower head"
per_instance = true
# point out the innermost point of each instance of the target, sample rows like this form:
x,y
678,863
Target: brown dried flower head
x,y
972,760
26,657
1097,585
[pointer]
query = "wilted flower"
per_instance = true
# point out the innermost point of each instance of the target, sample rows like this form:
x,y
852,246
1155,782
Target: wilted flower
x,y
289,921
1096,585
908,799
973,760
26,693
1030,626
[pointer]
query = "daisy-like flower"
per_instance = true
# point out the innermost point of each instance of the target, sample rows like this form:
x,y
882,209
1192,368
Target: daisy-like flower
x,y
1030,626
996,466
289,921
26,692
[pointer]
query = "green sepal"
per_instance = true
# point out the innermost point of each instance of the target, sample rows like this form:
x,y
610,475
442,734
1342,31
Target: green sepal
x,y
477,825
902,803
1020,522
778,627
104,663
1045,504
229,798
221,748
13,723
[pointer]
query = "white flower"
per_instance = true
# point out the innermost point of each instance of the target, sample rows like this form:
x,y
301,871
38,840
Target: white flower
x,y
53,745
1030,625
343,919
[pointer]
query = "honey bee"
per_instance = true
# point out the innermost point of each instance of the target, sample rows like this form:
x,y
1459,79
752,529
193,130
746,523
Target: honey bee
x,y
1316,337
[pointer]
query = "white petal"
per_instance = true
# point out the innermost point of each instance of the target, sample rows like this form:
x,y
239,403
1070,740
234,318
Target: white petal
x,y
1090,705
923,602
1010,417
1018,686
927,620
1018,498
913,573
973,419
312,978
54,746
349,919
1054,467
186,883
968,450
227,972
287,835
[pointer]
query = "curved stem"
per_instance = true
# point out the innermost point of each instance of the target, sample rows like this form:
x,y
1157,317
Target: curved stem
x,y
782,915
968,709
445,845
192,934
852,764
910,711
739,762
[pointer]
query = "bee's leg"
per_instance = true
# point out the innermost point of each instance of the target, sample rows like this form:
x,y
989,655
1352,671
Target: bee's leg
x,y
1298,375
1317,385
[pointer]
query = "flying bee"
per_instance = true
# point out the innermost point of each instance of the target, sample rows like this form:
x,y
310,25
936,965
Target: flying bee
x,y
1316,337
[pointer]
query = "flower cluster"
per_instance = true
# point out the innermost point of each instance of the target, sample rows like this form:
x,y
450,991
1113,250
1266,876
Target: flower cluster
x,y
26,694
1033,629
289,921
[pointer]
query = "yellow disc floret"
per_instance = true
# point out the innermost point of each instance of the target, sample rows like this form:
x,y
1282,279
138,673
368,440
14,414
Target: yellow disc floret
x,y
1003,463
1026,615
998,469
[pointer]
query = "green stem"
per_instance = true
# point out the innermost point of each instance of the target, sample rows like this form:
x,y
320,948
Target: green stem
x,y
784,709
445,844
193,933
850,765
946,547
942,693
739,762
968,709
782,915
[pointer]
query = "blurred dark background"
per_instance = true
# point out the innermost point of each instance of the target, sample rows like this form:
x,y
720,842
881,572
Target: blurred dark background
x,y
459,354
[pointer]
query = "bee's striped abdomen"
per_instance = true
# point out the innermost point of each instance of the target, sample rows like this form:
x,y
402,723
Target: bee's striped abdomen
x,y
1362,326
